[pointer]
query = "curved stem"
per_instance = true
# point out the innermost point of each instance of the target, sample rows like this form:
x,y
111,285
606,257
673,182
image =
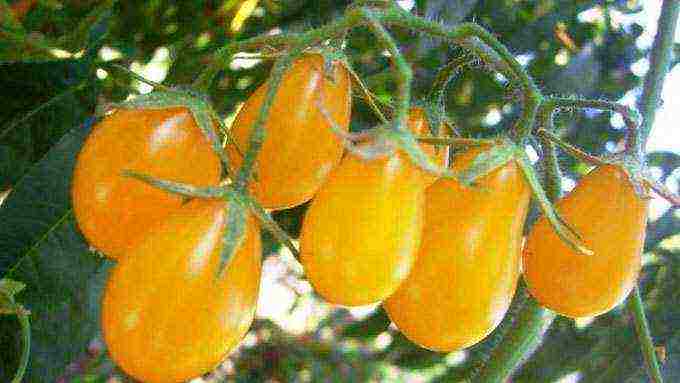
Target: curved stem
x,y
630,117
576,152
487,47
23,315
403,72
636,308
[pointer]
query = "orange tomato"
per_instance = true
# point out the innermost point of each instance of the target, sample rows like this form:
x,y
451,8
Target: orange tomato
x,y
300,148
113,211
166,316
360,233
467,266
606,211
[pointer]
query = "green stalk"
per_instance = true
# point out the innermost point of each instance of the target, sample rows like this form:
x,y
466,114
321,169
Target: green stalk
x,y
659,61
636,308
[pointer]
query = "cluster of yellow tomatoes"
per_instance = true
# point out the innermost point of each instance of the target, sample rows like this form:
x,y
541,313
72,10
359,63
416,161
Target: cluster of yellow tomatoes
x,y
443,257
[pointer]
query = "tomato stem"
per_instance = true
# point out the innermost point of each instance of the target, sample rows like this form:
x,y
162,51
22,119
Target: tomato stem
x,y
576,152
636,308
140,78
630,117
367,95
659,62
445,141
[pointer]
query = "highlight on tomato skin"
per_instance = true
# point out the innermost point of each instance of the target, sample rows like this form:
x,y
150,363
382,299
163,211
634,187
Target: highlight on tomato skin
x,y
166,315
300,148
113,211
467,266
606,211
361,231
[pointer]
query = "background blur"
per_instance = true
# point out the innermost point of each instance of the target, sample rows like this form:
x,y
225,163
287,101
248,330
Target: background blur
x,y
55,62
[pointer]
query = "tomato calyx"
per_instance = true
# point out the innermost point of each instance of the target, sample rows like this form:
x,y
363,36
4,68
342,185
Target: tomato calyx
x,y
495,156
241,204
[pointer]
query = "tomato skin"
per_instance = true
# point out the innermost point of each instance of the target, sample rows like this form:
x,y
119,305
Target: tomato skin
x,y
166,317
300,148
606,211
418,125
113,211
467,266
361,231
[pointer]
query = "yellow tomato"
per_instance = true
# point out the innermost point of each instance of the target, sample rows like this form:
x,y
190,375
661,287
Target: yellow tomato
x,y
606,211
113,211
360,233
166,316
467,267
300,148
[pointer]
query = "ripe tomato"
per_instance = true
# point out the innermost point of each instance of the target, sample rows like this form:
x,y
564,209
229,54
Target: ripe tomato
x,y
467,266
606,211
166,317
300,148
417,123
112,211
361,231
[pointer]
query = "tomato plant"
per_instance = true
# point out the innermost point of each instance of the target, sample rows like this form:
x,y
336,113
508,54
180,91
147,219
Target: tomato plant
x,y
112,210
300,149
610,215
468,261
392,221
166,314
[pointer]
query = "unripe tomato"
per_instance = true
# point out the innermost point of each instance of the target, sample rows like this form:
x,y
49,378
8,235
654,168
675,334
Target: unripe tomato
x,y
610,217
300,149
362,229
113,211
467,266
418,125
166,316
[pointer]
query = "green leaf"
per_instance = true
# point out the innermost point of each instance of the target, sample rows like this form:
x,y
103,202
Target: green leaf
x,y
53,95
40,200
64,282
43,249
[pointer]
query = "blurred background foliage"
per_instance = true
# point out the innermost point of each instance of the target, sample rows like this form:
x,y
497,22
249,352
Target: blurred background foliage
x,y
56,70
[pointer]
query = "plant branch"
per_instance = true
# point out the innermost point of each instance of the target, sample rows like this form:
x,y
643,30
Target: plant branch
x,y
636,308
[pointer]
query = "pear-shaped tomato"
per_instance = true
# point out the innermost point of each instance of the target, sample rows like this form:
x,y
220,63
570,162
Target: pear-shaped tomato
x,y
113,211
166,315
300,148
606,211
361,232
467,267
